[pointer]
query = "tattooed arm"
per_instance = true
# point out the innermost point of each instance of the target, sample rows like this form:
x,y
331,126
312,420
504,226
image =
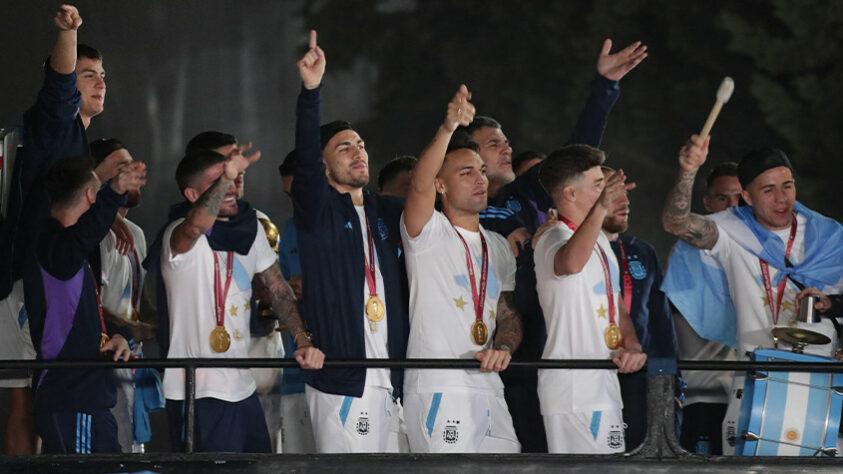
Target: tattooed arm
x,y
285,309
201,216
677,217
507,336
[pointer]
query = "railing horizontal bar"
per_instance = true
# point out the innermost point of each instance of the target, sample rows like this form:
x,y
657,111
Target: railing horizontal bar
x,y
411,364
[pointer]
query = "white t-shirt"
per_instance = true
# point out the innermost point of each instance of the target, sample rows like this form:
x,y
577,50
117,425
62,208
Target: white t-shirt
x,y
189,278
576,313
746,287
442,306
117,273
376,342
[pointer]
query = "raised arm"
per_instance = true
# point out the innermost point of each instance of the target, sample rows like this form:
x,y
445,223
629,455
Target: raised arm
x,y
677,217
285,309
310,185
205,210
421,197
572,257
611,68
63,58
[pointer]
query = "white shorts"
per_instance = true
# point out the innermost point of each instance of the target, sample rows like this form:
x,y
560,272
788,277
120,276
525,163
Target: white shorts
x,y
459,422
344,424
598,432
296,430
15,341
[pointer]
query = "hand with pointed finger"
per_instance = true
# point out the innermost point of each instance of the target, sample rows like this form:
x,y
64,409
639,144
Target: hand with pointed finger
x,y
493,360
310,358
615,66
693,154
629,360
117,343
460,110
312,64
614,191
67,18
130,177
238,162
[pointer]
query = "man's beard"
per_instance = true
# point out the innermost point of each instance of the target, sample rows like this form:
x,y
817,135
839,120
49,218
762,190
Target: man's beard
x,y
615,227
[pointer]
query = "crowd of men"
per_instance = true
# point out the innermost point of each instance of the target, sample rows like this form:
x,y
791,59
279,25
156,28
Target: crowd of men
x,y
466,252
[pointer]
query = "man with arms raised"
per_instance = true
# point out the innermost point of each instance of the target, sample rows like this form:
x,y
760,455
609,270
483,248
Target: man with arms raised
x,y
578,277
208,272
351,278
461,281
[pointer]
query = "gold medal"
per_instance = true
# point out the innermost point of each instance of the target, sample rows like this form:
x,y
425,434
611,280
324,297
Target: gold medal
x,y
613,336
479,333
135,315
375,309
220,339
104,340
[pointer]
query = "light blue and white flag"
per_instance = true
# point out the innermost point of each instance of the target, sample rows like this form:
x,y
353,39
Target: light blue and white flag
x,y
696,283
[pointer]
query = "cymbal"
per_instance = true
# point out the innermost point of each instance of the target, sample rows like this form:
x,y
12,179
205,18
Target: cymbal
x,y
800,336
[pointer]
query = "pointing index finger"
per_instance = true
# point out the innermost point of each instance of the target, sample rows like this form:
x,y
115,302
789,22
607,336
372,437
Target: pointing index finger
x,y
312,39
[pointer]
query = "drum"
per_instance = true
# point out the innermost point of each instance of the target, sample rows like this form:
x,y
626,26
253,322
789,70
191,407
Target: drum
x,y
789,413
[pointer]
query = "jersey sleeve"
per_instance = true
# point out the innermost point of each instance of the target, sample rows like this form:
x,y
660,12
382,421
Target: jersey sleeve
x,y
429,236
551,241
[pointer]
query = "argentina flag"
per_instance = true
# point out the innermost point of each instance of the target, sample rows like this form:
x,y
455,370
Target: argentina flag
x,y
696,283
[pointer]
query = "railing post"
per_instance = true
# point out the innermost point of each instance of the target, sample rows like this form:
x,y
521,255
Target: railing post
x,y
189,420
660,441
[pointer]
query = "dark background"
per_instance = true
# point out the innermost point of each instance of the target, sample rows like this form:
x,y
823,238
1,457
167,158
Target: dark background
x,y
178,68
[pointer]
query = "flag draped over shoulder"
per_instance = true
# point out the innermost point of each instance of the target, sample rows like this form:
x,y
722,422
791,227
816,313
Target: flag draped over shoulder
x,y
696,283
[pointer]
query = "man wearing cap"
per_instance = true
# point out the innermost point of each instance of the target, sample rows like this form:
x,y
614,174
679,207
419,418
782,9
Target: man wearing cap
x,y
351,278
767,248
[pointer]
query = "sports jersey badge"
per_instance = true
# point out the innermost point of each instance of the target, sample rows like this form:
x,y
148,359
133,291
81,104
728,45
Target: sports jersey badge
x,y
452,433
637,270
363,425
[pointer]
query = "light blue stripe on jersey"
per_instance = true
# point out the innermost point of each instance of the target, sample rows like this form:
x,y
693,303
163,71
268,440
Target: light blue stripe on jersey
x,y
88,438
595,423
814,429
344,409
78,432
431,414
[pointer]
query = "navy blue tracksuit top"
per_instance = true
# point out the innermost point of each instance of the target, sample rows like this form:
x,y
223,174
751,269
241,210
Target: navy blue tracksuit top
x,y
332,260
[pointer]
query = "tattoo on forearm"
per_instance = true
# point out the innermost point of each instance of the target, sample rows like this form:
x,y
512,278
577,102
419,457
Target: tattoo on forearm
x,y
211,199
510,328
283,300
678,219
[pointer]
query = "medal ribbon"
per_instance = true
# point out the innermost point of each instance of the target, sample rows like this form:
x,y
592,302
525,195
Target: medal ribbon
x,y
607,274
478,297
99,301
765,273
627,278
221,295
370,263
135,278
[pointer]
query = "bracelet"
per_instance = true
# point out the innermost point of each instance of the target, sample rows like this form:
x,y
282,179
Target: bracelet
x,y
306,335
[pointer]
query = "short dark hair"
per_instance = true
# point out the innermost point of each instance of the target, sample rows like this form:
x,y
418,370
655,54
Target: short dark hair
x,y
210,140
288,166
566,164
85,51
727,168
524,157
66,177
194,164
465,133
328,130
394,166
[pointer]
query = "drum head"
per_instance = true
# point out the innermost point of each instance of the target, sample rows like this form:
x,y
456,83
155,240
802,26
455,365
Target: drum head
x,y
800,336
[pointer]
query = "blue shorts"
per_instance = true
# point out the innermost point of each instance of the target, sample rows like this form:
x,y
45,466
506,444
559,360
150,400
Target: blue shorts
x,y
69,432
222,427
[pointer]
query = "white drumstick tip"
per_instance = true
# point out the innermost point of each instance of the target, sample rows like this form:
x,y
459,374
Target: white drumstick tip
x,y
724,92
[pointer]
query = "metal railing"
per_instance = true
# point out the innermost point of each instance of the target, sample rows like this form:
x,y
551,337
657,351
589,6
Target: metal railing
x,y
660,441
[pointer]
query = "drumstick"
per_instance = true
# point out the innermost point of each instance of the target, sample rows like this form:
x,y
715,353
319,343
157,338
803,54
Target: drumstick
x,y
724,92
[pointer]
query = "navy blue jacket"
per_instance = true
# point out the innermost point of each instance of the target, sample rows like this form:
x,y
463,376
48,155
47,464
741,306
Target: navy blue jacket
x,y
527,198
61,301
649,308
52,130
332,259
